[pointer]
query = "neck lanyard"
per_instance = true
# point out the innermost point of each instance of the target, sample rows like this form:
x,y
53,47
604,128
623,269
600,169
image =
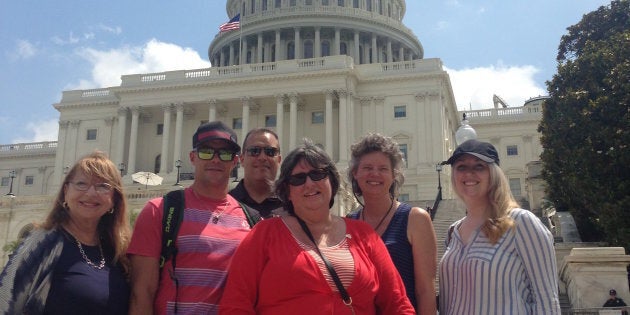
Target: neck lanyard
x,y
347,300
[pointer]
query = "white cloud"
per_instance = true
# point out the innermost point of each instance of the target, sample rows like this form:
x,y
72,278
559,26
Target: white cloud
x,y
61,41
474,87
114,30
24,49
41,130
154,56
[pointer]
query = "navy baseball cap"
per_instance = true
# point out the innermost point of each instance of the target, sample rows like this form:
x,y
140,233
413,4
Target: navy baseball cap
x,y
215,130
483,150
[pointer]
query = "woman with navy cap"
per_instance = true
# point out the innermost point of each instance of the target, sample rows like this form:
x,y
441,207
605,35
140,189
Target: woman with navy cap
x,y
499,258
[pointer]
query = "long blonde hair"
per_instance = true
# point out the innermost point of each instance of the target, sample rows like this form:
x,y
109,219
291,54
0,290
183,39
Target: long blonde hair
x,y
113,228
501,203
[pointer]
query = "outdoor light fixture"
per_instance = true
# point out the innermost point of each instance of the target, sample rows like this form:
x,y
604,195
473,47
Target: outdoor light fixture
x,y
178,165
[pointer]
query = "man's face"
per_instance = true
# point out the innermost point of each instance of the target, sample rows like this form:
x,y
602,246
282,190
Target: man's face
x,y
257,164
214,171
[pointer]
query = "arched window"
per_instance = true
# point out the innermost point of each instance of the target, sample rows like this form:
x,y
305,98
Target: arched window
x,y
290,51
325,48
308,49
343,48
249,56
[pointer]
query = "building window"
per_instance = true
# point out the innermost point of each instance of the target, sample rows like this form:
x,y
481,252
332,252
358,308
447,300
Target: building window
x,y
368,5
308,2
324,2
308,49
515,187
160,129
317,118
512,150
343,48
292,3
5,181
400,111
325,48
237,123
278,3
355,4
403,150
91,134
264,5
341,3
28,180
253,6
291,51
403,197
157,163
270,121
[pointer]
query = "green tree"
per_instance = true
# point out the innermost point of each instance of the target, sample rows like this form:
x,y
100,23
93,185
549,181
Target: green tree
x,y
586,125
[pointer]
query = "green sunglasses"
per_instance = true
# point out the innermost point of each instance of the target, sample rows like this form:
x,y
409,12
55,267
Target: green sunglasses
x,y
225,155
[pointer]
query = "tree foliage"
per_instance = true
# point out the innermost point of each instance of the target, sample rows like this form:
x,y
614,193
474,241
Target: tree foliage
x,y
586,125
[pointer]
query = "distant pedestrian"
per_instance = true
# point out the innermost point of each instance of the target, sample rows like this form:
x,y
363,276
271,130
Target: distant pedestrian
x,y
614,301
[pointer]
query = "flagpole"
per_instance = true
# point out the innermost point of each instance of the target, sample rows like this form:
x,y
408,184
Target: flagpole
x,y
243,58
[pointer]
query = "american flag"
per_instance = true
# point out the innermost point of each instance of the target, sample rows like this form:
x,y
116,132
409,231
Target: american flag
x,y
232,24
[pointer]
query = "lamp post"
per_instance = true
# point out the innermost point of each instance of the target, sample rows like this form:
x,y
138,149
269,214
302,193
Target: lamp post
x,y
178,165
12,175
438,169
121,167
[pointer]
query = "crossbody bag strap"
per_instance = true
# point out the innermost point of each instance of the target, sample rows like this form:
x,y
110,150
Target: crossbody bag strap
x,y
344,294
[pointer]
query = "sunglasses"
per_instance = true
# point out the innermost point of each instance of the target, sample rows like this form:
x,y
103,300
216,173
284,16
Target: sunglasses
x,y
300,178
269,151
225,155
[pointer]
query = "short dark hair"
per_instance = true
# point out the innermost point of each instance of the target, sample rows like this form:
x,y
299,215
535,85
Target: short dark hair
x,y
314,156
257,131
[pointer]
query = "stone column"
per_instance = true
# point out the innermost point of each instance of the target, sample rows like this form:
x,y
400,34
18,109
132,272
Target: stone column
x,y
357,48
166,131
401,53
259,51
212,110
245,126
277,49
318,43
343,126
390,53
232,61
374,50
60,156
133,140
122,132
298,44
179,122
244,52
293,99
329,122
337,47
280,120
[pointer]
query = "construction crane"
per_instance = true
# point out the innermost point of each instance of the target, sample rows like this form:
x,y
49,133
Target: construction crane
x,y
498,100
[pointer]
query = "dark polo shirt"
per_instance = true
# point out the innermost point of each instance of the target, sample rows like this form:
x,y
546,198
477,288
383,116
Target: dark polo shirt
x,y
271,203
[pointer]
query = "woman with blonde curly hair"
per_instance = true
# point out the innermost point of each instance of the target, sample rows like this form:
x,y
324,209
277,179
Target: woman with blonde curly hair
x,y
499,258
75,262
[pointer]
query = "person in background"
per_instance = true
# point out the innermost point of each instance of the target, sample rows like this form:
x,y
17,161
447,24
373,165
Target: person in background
x,y
260,159
614,301
74,263
213,225
311,261
376,175
499,258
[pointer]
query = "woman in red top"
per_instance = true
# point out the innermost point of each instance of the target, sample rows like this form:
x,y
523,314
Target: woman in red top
x,y
279,269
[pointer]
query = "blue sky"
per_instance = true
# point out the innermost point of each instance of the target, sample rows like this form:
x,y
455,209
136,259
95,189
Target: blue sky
x,y
488,47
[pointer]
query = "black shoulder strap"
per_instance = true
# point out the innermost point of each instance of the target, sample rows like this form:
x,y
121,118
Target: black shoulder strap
x,y
171,220
252,215
450,235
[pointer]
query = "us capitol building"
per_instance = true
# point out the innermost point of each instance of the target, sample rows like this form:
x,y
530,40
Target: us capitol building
x,y
327,70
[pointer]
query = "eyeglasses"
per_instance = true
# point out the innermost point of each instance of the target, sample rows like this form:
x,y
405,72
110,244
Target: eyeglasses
x,y
269,151
225,155
300,178
101,188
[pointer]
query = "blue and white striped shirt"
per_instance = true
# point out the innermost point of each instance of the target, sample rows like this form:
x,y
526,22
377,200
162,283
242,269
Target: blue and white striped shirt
x,y
517,275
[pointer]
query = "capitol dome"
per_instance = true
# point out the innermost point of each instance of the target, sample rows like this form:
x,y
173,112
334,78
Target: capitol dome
x,y
369,31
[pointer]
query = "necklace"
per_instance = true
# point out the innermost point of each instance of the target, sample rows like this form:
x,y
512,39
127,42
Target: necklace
x,y
383,218
215,216
87,260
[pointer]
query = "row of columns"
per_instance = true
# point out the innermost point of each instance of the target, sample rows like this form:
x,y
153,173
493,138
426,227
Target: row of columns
x,y
345,126
259,55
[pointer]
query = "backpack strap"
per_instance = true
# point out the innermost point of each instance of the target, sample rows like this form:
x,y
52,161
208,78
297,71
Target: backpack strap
x,y
171,220
252,215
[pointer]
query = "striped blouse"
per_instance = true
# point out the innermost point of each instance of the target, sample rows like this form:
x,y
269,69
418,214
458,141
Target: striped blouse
x,y
517,275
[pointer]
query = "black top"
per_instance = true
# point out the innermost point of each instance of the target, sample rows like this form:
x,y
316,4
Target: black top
x,y
271,203
78,288
614,302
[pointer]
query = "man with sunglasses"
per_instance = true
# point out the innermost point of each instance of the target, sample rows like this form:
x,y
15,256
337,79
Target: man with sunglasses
x,y
213,225
260,160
